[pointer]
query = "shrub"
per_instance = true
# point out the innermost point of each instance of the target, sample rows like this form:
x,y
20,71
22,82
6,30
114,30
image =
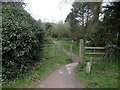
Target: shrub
x,y
22,39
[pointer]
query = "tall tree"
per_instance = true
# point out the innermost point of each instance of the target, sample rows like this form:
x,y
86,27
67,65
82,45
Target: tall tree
x,y
82,15
112,22
48,29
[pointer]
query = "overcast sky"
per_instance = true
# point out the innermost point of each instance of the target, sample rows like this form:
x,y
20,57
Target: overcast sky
x,y
49,10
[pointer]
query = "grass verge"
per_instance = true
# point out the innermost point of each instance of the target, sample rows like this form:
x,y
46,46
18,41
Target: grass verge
x,y
103,74
66,44
53,59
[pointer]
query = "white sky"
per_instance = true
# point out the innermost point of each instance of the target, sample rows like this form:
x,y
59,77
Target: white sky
x,y
49,10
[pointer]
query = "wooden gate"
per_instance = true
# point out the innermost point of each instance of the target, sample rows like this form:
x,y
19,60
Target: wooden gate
x,y
82,50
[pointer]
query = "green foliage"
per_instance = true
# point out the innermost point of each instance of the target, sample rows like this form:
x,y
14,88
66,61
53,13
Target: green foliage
x,y
48,29
94,34
103,75
112,23
22,38
101,71
75,47
86,22
53,59
61,30
82,15
107,31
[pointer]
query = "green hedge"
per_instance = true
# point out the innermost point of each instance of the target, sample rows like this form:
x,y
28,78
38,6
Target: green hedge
x,y
22,39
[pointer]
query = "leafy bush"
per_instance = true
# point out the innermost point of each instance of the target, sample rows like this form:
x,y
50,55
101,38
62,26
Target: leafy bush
x,y
22,39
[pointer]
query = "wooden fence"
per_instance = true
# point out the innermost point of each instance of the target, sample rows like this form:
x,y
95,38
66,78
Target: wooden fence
x,y
82,49
82,53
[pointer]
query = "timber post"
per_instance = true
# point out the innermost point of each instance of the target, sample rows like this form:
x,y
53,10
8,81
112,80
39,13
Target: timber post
x,y
71,48
81,50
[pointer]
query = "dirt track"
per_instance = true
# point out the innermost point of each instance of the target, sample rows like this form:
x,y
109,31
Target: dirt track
x,y
61,78
64,76
71,55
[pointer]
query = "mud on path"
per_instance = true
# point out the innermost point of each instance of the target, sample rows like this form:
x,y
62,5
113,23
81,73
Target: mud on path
x,y
64,76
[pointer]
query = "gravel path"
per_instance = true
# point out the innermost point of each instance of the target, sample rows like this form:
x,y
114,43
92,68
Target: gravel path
x,y
64,76
61,78
74,57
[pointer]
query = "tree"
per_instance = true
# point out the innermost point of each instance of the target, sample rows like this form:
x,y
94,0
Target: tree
x,y
112,23
48,29
82,15
61,30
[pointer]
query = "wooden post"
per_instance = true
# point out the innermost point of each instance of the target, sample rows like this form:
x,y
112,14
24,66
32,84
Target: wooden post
x,y
54,49
88,66
81,50
70,48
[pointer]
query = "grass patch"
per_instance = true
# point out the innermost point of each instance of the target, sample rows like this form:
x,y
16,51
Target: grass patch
x,y
75,49
66,45
53,58
103,75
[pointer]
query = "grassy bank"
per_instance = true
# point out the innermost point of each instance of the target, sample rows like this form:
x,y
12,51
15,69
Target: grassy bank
x,y
103,74
66,44
53,59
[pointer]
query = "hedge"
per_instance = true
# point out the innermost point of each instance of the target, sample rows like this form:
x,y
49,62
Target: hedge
x,y
22,39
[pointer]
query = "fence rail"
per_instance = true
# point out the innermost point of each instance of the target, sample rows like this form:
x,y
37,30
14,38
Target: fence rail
x,y
82,50
95,53
94,47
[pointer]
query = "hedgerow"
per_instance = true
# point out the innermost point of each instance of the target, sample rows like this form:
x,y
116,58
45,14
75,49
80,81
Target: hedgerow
x,y
22,39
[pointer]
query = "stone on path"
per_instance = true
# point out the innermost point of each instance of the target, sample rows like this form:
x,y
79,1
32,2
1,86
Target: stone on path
x,y
61,78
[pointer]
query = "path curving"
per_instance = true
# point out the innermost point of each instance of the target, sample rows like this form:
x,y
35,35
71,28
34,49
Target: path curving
x,y
74,57
64,76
